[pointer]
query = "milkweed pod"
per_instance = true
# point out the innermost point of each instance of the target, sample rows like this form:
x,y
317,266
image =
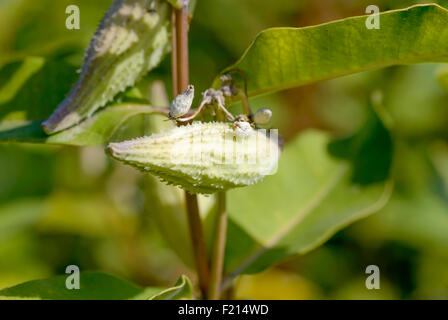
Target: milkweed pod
x,y
130,41
203,157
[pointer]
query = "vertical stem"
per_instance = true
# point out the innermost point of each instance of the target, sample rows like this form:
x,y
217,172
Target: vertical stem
x,y
180,74
218,249
174,52
182,27
198,242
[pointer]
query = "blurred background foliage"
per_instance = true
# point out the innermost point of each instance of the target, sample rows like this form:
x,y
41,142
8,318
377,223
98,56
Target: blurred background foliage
x,y
67,205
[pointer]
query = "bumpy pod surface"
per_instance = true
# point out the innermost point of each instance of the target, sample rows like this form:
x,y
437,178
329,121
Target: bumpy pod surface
x,y
130,40
203,157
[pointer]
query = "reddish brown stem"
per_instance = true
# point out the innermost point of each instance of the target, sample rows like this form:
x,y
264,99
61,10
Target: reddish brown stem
x,y
218,249
174,52
180,75
182,27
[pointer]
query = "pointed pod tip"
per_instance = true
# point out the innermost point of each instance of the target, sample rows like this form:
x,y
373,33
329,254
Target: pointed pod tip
x,y
45,128
111,150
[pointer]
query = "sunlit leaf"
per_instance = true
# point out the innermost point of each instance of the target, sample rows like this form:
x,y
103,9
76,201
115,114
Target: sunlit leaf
x,y
125,47
282,58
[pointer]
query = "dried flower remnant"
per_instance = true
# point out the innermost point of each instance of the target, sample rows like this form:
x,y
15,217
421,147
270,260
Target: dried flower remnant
x,y
202,157
132,39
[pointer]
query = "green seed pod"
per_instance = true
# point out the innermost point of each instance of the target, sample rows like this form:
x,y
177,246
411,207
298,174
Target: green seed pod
x,y
262,116
203,157
130,40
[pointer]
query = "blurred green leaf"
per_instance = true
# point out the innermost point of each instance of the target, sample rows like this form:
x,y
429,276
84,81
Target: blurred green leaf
x,y
417,213
356,290
25,71
252,16
406,91
94,286
18,215
166,205
93,131
442,77
282,58
419,221
369,150
31,88
309,199
27,29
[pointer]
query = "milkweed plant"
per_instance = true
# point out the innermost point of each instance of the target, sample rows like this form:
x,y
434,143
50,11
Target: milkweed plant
x,y
237,159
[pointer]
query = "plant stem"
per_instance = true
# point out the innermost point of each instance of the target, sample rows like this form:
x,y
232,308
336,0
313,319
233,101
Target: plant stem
x,y
181,44
180,75
218,249
174,52
198,242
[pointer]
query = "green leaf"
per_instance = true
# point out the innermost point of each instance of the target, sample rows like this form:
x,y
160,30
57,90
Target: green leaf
x,y
94,286
122,51
182,290
309,199
96,130
282,58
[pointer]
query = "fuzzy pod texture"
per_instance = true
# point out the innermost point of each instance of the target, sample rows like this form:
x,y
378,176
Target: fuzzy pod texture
x,y
203,157
182,103
131,40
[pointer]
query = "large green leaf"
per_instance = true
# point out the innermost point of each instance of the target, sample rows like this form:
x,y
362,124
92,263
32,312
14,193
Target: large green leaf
x,y
95,286
297,209
282,58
